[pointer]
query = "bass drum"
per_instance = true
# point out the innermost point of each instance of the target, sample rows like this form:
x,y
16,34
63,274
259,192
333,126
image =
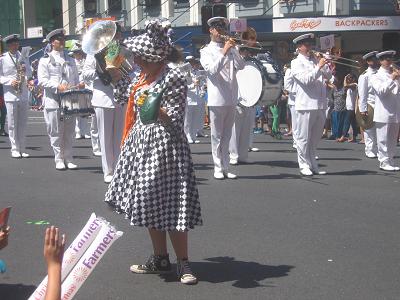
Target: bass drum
x,y
259,83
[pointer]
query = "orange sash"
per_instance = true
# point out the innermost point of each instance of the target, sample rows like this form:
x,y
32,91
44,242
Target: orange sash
x,y
130,114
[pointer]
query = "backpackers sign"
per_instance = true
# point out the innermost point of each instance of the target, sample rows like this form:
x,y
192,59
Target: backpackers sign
x,y
336,24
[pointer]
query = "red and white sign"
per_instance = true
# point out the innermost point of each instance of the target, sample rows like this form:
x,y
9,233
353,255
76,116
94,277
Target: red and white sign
x,y
238,25
336,24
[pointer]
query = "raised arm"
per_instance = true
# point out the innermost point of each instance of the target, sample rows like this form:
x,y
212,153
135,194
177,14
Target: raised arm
x,y
212,64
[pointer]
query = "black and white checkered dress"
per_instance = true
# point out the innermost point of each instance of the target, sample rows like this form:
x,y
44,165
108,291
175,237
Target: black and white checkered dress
x,y
154,183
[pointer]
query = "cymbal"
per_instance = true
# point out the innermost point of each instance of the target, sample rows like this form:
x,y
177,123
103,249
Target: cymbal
x,y
366,122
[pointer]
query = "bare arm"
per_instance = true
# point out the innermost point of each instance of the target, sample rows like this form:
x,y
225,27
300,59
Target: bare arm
x,y
53,252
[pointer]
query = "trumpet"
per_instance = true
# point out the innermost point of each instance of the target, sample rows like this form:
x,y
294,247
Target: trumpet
x,y
335,59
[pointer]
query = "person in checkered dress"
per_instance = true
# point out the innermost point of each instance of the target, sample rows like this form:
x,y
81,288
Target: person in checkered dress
x,y
154,183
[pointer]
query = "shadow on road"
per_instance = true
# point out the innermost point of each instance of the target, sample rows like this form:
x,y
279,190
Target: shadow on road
x,y
274,176
243,274
341,158
16,291
354,172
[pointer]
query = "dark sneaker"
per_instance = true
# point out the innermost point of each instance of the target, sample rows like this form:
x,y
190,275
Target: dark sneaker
x,y
156,264
184,272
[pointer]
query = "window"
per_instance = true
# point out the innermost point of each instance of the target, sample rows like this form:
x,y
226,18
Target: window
x,y
114,7
182,3
90,8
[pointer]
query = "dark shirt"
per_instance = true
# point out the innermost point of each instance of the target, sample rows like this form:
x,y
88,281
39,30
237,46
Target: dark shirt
x,y
339,99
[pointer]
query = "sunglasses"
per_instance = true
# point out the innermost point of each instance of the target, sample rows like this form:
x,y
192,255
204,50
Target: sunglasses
x,y
219,26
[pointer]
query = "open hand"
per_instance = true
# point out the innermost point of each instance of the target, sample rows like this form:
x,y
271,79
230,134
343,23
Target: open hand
x,y
53,246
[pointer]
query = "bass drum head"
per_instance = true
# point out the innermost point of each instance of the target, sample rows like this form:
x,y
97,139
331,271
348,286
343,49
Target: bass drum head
x,y
272,84
250,84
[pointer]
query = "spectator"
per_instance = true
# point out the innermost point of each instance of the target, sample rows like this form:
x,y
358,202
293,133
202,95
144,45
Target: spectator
x,y
339,110
4,237
53,253
350,87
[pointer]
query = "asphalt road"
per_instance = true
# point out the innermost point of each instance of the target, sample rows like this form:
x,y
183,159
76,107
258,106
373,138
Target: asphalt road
x,y
271,234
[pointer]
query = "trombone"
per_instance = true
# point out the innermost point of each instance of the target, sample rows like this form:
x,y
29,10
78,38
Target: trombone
x,y
335,59
239,40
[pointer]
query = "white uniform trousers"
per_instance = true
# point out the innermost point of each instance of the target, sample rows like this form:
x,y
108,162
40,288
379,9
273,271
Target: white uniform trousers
x,y
61,134
241,132
17,116
253,120
82,126
221,122
310,124
94,134
293,114
192,115
386,136
200,119
109,123
371,147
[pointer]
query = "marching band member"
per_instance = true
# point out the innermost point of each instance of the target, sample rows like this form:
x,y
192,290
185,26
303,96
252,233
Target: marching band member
x,y
241,140
82,125
366,96
290,85
14,69
194,101
221,60
311,102
386,84
57,72
109,117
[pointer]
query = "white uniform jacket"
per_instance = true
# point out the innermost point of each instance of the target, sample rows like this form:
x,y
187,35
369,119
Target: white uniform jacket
x,y
8,73
221,71
103,95
290,85
310,80
387,100
366,93
56,68
195,91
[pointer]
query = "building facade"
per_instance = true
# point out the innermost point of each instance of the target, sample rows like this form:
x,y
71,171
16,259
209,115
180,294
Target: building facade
x,y
362,24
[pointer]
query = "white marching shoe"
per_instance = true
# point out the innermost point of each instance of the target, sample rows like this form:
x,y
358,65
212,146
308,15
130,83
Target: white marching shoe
x,y
71,166
388,167
233,161
15,154
25,155
219,175
60,165
306,172
230,175
97,153
318,172
108,178
370,155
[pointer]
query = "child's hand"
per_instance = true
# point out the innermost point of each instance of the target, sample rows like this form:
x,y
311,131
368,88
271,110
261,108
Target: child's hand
x,y
53,246
4,237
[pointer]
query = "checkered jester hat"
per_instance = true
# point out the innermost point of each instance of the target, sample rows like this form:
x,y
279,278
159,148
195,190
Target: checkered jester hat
x,y
154,45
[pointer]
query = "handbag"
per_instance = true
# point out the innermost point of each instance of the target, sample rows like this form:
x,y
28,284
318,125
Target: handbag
x,y
150,109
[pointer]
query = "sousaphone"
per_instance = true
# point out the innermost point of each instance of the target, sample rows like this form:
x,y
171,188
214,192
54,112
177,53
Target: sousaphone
x,y
100,39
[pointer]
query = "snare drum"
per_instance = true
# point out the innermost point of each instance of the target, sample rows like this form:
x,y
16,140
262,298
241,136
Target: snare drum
x,y
258,82
76,102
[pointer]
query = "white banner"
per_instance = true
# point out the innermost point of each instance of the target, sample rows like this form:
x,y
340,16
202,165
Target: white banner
x,y
336,24
34,32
